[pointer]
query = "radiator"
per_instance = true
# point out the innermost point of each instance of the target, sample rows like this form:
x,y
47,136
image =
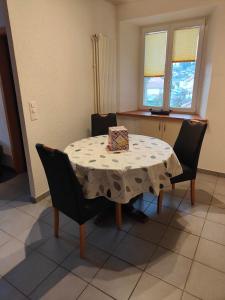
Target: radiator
x,y
104,72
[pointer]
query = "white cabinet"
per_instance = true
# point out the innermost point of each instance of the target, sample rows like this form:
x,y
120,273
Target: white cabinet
x,y
132,124
149,127
170,130
164,129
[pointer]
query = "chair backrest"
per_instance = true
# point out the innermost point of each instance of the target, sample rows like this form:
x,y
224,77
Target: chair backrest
x,y
189,141
65,189
101,123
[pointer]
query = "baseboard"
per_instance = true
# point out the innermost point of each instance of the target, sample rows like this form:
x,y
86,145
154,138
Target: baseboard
x,y
40,197
211,172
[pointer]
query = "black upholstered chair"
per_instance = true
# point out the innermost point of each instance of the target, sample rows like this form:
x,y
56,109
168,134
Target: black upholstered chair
x,y
187,148
66,191
101,123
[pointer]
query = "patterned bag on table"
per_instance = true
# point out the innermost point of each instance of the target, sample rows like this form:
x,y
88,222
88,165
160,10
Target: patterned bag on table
x,y
118,138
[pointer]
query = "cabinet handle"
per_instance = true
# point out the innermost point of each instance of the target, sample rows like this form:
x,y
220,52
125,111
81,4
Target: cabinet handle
x,y
159,125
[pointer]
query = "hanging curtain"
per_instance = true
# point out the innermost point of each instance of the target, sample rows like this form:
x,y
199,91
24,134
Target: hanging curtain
x,y
104,71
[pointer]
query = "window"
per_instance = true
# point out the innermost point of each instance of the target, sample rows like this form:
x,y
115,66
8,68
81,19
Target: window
x,y
171,66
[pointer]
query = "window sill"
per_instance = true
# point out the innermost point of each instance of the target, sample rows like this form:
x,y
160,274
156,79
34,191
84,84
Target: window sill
x,y
171,116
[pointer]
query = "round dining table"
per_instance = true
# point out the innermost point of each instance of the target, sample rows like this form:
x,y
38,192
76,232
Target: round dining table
x,y
120,176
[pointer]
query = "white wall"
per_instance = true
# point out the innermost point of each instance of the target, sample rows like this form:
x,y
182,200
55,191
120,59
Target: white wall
x,y
213,154
212,95
146,8
129,63
52,46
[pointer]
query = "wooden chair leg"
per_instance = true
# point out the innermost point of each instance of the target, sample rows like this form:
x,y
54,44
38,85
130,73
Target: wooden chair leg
x,y
82,240
193,192
159,204
56,222
118,215
173,186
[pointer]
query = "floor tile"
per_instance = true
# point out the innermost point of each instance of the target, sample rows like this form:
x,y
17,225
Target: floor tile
x,y
143,202
150,287
4,237
108,220
17,203
8,292
12,254
178,192
10,191
164,217
214,232
206,283
206,177
128,222
200,196
149,197
216,214
211,254
169,200
187,296
117,278
135,251
180,242
208,187
59,285
188,223
170,267
3,202
58,249
48,218
150,231
183,184
38,209
198,210
91,293
220,186
73,228
88,267
218,200
30,272
106,238
36,235
14,221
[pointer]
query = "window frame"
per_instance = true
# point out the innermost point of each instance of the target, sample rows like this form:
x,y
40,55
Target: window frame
x,y
170,28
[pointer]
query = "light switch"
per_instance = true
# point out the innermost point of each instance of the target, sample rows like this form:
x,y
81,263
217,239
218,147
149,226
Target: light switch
x,y
33,104
33,110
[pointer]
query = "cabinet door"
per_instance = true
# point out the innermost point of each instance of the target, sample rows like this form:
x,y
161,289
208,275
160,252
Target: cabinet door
x,y
170,131
131,123
151,127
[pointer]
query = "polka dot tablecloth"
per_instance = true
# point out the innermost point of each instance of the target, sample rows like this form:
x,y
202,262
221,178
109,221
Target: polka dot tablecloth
x,y
146,167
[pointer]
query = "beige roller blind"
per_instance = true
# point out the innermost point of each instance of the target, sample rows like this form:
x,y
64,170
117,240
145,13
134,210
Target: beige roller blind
x,y
185,44
155,54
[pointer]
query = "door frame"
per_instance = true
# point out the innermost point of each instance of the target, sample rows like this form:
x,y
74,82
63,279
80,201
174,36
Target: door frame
x,y
11,108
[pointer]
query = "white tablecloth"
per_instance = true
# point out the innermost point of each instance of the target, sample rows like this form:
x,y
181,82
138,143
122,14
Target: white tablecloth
x,y
146,167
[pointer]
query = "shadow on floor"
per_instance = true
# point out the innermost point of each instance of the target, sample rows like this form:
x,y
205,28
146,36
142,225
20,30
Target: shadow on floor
x,y
6,174
38,274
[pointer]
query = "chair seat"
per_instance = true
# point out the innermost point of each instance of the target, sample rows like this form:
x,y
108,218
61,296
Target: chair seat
x,y
188,174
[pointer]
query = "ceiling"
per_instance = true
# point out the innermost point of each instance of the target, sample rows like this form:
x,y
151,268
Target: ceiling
x,y
117,2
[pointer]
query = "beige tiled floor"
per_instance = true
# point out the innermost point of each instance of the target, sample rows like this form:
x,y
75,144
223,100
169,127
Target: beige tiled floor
x,y
179,254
